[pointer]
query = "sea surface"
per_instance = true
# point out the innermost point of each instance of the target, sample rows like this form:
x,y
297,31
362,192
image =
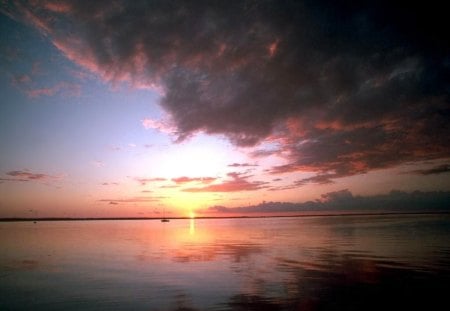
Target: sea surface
x,y
304,263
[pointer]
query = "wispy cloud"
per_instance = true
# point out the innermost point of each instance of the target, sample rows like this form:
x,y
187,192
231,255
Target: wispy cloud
x,y
18,80
64,88
163,126
133,200
98,163
440,169
238,182
109,184
114,148
242,165
27,175
143,181
184,180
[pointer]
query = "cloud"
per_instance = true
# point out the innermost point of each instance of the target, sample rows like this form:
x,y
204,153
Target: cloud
x,y
144,181
21,79
344,200
242,165
169,186
440,169
109,184
133,200
163,126
26,175
114,148
238,182
184,180
98,163
65,88
341,88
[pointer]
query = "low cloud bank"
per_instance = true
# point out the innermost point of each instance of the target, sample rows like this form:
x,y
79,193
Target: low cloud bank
x,y
344,200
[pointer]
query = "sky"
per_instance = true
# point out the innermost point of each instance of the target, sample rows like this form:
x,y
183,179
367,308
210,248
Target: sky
x,y
218,108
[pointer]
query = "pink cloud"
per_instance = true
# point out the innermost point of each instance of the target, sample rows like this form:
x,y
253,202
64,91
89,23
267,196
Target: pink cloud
x,y
59,7
133,200
184,180
42,91
67,89
238,182
144,181
21,79
110,184
160,125
98,163
242,165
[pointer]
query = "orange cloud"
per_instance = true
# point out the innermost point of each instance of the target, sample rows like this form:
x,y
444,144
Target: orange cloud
x,y
237,183
144,181
184,180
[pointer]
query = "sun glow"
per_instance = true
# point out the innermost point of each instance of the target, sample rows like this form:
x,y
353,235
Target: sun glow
x,y
200,157
192,226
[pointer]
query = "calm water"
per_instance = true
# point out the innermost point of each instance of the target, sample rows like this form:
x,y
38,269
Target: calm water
x,y
315,263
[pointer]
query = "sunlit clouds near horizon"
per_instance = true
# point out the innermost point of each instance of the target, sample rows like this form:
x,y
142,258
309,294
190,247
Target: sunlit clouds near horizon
x,y
139,108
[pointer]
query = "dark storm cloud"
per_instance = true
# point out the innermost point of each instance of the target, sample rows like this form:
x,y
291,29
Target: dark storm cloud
x,y
440,169
342,87
344,200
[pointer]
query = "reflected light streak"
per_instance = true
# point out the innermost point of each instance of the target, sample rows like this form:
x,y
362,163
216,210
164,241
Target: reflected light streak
x,y
192,226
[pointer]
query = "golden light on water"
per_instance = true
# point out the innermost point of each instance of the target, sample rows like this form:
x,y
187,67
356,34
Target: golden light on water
x,y
192,226
192,222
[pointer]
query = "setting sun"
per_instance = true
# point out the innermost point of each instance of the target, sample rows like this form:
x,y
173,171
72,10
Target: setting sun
x,y
192,214
122,112
224,155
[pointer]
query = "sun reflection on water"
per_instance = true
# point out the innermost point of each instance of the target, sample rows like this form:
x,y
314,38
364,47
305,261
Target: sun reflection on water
x,y
192,226
258,264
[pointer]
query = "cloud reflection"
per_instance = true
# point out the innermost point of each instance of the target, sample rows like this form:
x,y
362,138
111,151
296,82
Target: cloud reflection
x,y
315,263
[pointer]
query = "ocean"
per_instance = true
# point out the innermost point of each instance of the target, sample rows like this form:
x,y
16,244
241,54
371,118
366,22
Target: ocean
x,y
292,263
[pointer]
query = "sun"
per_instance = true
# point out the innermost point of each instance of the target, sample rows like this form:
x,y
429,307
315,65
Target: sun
x,y
199,156
191,214
186,204
193,161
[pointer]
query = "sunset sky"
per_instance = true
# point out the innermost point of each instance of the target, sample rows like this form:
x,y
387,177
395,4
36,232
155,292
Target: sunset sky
x,y
139,108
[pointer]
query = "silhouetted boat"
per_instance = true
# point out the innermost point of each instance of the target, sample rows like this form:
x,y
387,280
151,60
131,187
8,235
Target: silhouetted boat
x,y
164,219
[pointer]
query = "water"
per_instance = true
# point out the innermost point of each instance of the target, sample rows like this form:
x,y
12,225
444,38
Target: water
x,y
311,263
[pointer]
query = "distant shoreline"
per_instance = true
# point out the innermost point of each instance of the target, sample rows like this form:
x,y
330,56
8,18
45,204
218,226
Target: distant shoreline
x,y
24,219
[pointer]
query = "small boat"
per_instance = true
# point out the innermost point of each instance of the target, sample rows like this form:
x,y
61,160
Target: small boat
x,y
164,219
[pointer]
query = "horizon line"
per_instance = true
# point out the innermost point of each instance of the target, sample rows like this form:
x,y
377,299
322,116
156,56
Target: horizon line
x,y
26,219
